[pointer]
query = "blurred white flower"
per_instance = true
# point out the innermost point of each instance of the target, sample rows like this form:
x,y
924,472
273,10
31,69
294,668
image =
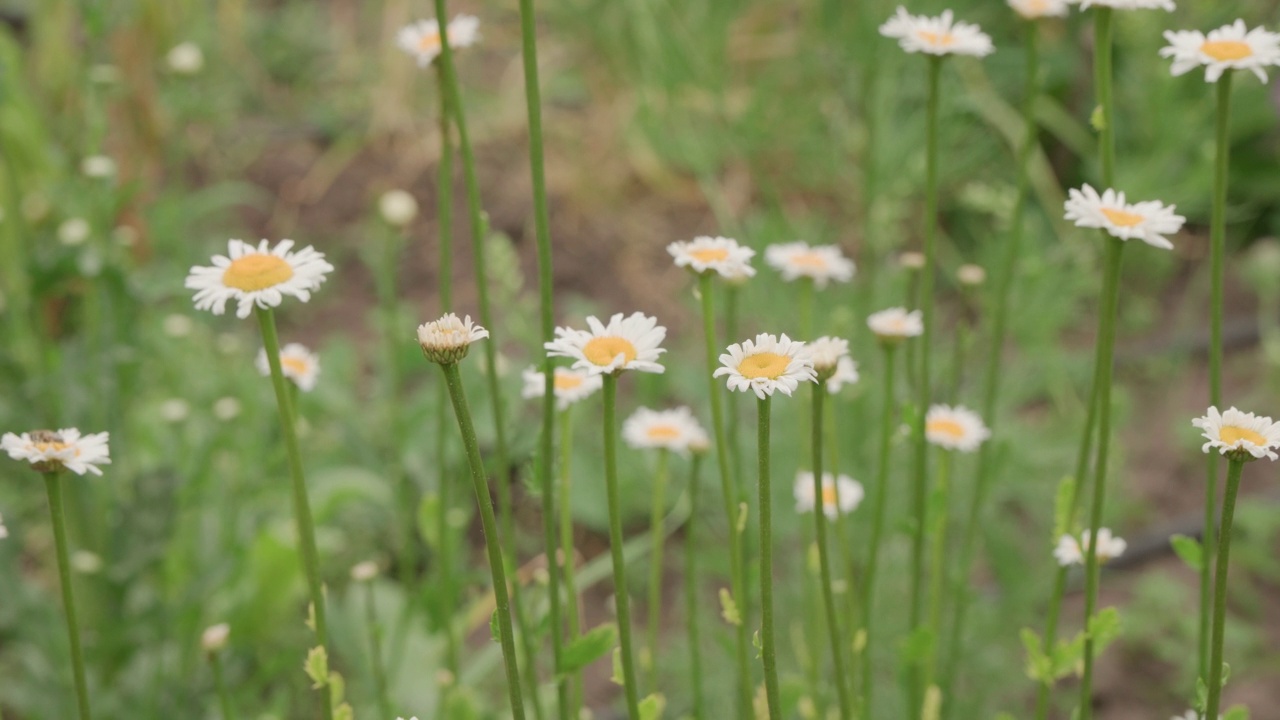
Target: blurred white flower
x,y
178,326
1071,550
73,231
174,410
185,59
840,494
846,374
971,275
1035,9
297,363
1148,221
51,451
226,408
721,255
936,35
85,562
1230,47
4,531
422,39
896,324
214,637
570,385
955,428
397,207
365,571
819,263
673,429
98,166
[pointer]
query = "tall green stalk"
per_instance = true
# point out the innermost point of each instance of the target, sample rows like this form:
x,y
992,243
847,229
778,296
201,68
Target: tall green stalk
x,y
621,596
658,539
1217,262
879,507
301,504
824,561
489,526
691,584
53,486
729,490
220,686
768,649
375,651
1234,470
567,552
939,514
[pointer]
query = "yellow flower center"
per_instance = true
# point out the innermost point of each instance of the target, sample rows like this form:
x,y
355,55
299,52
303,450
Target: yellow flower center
x,y
429,42
947,427
1231,434
56,446
256,272
1037,6
663,432
297,366
763,365
809,260
1226,50
829,495
708,255
936,38
567,382
1122,218
602,350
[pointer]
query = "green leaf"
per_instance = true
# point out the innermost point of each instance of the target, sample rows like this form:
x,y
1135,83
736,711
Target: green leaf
x,y
1103,628
918,646
1236,712
337,689
317,667
1098,119
619,677
729,608
652,706
1068,655
344,712
1202,694
1062,507
428,525
1189,550
742,517
495,630
587,648
1039,665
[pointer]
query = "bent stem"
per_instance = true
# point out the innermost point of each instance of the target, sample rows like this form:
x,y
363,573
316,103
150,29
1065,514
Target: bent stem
x,y
301,504
1220,586
691,588
615,545
489,526
568,553
877,529
658,536
220,686
53,486
768,650
824,561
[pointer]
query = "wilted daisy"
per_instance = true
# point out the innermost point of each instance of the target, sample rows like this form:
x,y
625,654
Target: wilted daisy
x,y
840,494
447,340
1239,434
259,276
936,35
214,637
1034,9
672,429
185,59
825,354
846,374
297,363
626,343
714,254
1071,550
1230,47
955,428
397,207
422,39
819,263
767,364
51,451
1147,221
896,324
570,385
1129,4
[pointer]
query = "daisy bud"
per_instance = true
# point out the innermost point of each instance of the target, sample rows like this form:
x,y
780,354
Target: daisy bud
x,y
185,59
911,260
825,353
971,275
448,340
397,207
214,637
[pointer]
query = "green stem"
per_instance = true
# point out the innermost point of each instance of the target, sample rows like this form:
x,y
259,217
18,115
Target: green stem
x,y
220,685
879,507
621,596
691,583
940,512
448,591
444,187
375,651
768,650
53,485
728,487
301,504
1217,255
489,526
824,561
567,552
1222,566
658,537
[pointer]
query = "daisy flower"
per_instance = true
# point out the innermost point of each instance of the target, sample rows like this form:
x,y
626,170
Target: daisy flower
x,y
1071,550
1147,221
719,254
840,494
259,276
825,353
767,364
447,340
570,385
896,324
298,364
50,451
397,207
1035,9
936,35
1238,433
846,374
662,429
1129,4
819,263
185,58
626,343
1230,47
422,39
955,428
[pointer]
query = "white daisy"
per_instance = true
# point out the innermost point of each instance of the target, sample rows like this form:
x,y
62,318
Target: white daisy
x,y
819,263
185,58
1230,47
936,35
896,324
626,343
1148,221
825,353
1034,9
955,428
297,363
422,39
846,374
1071,550
570,385
397,207
719,254
214,637
448,339
840,495
662,429
50,451
259,276
1129,4
766,364
1238,433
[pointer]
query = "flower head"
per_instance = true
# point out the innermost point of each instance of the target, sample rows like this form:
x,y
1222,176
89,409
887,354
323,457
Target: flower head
x,y
626,343
1147,221
422,39
1035,9
911,260
297,363
846,374
955,428
1071,550
1240,435
259,276
570,385
936,35
674,429
840,494
819,263
971,275
99,167
1230,47
214,637
185,59
766,364
397,207
826,353
50,451
896,324
448,340
364,571
1129,4
714,254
